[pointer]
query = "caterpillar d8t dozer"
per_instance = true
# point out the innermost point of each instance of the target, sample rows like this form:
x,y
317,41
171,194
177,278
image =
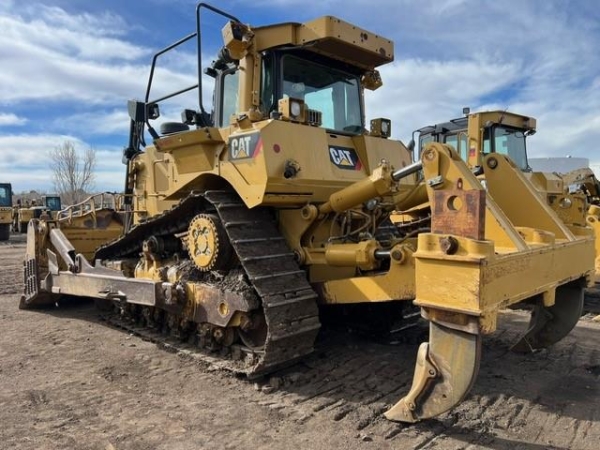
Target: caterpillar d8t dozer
x,y
241,224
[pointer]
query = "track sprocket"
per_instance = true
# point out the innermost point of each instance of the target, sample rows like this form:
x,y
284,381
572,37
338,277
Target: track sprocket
x,y
208,245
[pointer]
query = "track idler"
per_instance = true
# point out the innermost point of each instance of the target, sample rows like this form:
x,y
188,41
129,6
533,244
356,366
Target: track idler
x,y
446,369
548,325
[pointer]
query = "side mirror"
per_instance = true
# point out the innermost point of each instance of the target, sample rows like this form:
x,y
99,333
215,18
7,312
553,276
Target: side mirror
x,y
411,145
153,111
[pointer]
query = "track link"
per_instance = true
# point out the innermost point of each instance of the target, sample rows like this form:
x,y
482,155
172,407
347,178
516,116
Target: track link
x,y
288,302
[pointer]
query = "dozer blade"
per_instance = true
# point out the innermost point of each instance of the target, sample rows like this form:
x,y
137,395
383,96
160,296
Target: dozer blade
x,y
446,369
33,297
548,325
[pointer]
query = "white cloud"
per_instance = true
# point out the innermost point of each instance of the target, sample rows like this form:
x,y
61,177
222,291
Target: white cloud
x,y
55,56
11,119
104,24
540,60
30,150
26,162
38,74
416,93
97,123
66,36
51,55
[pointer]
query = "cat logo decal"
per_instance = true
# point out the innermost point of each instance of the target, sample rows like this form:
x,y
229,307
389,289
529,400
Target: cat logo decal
x,y
244,146
344,158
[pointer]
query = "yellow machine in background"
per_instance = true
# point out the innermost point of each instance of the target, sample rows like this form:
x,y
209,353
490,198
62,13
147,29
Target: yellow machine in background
x,y
49,205
90,223
478,134
584,181
573,196
241,225
5,210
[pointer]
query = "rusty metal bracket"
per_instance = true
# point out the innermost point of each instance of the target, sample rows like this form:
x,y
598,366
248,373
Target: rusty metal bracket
x,y
459,212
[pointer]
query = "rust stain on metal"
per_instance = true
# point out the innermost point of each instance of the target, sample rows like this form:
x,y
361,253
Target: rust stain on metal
x,y
459,212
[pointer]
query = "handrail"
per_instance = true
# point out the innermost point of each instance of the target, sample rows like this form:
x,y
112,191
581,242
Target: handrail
x,y
93,203
181,41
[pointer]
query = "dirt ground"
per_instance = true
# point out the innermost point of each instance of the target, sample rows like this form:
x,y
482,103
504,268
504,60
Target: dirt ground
x,y
70,381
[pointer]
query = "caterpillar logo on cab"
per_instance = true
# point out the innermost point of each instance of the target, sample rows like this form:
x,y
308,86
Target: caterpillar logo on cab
x,y
245,146
344,158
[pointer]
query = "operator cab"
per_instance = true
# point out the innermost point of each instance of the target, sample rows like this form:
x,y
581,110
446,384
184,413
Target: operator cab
x,y
453,133
312,73
327,90
48,204
496,137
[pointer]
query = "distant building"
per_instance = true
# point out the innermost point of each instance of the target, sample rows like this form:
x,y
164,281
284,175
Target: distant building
x,y
559,165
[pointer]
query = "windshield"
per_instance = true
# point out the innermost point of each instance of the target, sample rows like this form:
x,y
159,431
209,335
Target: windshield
x,y
508,141
53,203
423,140
334,93
5,196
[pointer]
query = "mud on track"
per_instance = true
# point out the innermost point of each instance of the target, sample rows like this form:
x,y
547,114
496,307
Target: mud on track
x,y
68,380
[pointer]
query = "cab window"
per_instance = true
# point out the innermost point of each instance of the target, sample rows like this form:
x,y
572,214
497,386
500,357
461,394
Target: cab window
x,y
452,140
229,96
53,203
5,196
267,85
424,140
507,141
334,93
463,146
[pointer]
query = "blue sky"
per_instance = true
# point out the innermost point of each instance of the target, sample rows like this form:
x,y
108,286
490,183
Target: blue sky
x,y
68,67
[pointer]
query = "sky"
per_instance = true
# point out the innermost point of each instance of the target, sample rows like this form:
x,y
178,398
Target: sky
x,y
68,67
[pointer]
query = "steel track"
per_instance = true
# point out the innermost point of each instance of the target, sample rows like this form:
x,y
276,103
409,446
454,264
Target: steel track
x,y
288,302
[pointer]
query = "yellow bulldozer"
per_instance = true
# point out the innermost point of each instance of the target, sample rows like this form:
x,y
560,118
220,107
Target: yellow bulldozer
x,y
49,205
5,210
242,224
574,196
584,181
